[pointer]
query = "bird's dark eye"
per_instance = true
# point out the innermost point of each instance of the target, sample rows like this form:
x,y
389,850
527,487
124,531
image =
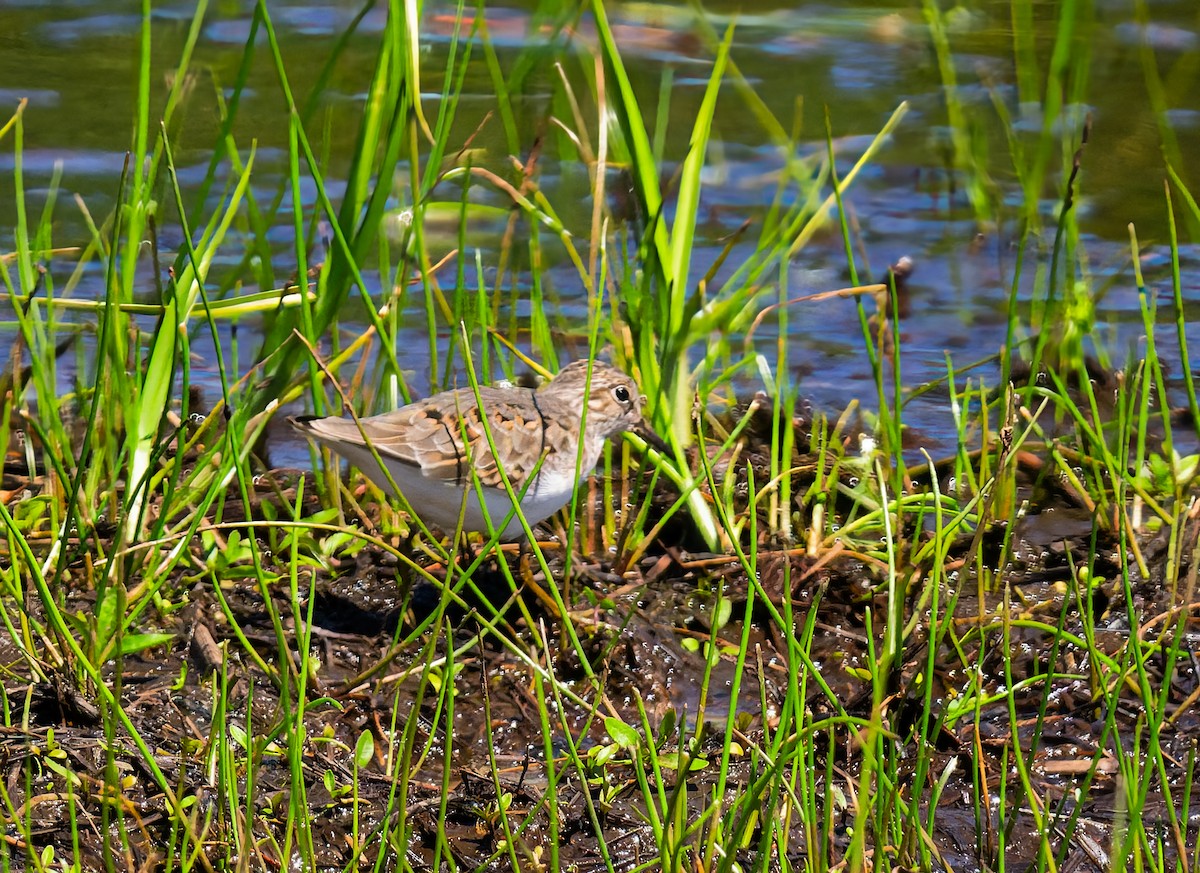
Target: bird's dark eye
x,y
621,393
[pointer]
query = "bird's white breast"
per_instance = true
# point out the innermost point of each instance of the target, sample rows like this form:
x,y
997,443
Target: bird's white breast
x,y
441,503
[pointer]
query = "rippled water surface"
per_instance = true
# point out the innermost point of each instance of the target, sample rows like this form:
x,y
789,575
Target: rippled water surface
x,y
76,63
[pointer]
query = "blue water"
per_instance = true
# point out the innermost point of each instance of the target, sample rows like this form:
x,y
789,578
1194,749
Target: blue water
x,y
76,64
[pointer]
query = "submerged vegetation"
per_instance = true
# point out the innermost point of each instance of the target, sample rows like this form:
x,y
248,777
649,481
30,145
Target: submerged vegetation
x,y
796,640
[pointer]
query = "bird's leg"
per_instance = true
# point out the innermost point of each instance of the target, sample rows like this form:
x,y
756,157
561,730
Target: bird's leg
x,y
525,570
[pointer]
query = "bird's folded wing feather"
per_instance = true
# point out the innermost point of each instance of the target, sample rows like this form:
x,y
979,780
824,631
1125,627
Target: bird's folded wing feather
x,y
444,440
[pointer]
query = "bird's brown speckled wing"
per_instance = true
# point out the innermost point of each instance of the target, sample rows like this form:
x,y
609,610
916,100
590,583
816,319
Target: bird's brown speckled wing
x,y
444,437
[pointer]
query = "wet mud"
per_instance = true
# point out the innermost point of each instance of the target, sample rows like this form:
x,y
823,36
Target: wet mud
x,y
644,628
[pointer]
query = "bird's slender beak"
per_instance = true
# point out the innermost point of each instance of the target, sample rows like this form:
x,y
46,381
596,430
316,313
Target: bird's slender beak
x,y
647,433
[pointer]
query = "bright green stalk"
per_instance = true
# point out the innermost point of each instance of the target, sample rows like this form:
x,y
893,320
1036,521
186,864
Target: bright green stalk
x,y
170,340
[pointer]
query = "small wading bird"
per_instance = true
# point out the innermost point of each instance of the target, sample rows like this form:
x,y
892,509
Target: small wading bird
x,y
436,448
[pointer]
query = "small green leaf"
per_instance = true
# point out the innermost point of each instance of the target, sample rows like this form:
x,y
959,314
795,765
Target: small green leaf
x,y
673,761
666,729
131,644
622,734
364,749
62,771
723,613
106,616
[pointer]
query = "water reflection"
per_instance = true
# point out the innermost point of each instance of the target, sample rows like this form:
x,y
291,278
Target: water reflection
x,y
76,63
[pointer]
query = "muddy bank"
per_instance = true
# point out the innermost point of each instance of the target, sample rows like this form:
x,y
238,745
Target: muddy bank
x,y
637,642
